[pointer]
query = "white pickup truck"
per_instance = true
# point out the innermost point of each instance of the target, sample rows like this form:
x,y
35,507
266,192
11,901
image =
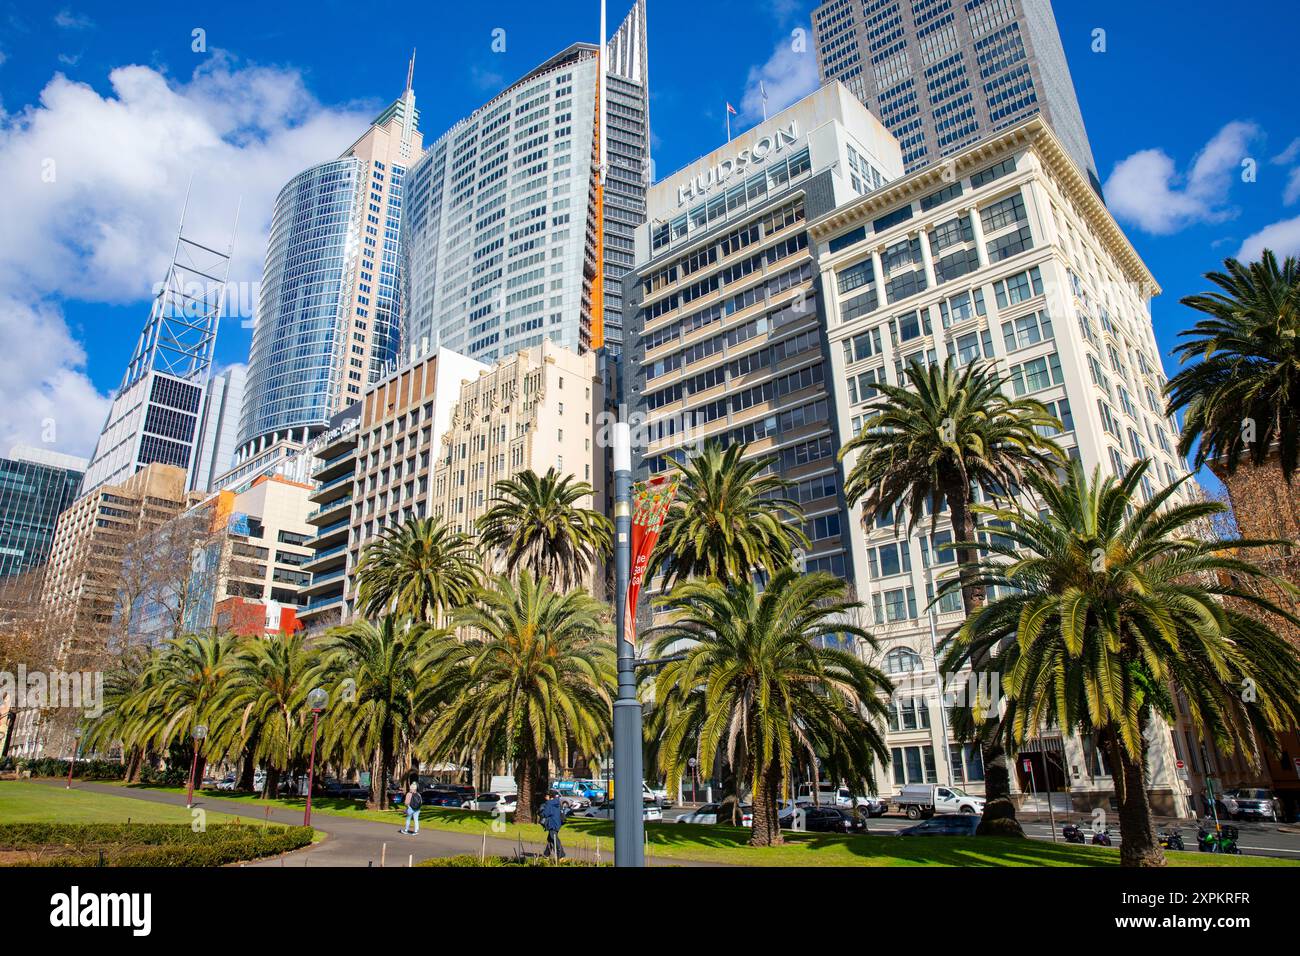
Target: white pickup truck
x,y
927,799
828,795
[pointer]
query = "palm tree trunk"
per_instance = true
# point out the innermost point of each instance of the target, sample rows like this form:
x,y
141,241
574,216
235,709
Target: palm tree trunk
x,y
272,782
767,823
1138,844
134,762
963,529
378,780
526,777
248,771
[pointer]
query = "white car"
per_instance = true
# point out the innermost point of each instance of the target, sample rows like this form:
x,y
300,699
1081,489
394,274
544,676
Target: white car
x,y
708,814
605,811
492,802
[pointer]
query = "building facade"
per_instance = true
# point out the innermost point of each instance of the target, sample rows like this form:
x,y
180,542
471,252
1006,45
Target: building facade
x,y
728,343
329,311
219,431
944,74
36,486
1004,255
502,222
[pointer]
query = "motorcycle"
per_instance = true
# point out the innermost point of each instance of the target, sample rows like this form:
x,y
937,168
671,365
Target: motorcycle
x,y
1101,837
1072,833
1211,838
1171,840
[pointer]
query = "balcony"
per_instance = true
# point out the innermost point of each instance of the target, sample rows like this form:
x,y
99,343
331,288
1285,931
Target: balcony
x,y
338,506
331,535
333,487
327,559
322,582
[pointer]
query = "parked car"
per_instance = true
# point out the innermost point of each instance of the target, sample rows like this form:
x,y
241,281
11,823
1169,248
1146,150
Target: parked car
x,y
661,795
490,802
949,825
442,798
928,799
605,811
831,820
588,790
710,813
228,782
1250,803
827,795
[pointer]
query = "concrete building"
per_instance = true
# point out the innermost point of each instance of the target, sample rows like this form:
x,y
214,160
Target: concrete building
x,y
334,452
502,224
219,428
328,317
1005,254
87,571
728,339
945,74
36,485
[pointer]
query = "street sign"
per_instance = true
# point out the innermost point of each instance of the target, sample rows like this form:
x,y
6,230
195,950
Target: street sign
x,y
1179,764
1029,767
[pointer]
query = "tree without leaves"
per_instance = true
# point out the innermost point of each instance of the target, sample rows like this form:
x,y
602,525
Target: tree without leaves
x,y
1243,396
927,443
535,523
1104,605
757,683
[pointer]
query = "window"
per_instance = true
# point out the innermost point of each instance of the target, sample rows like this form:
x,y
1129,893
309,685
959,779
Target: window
x,y
1036,374
1027,330
960,307
896,605
889,559
901,660
913,765
1018,288
862,346
909,713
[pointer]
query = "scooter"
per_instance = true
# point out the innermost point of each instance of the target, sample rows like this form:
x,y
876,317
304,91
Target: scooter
x,y
1217,839
1101,837
1072,833
1171,840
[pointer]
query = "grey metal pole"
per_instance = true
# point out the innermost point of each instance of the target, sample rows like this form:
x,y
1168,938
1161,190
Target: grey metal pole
x,y
629,825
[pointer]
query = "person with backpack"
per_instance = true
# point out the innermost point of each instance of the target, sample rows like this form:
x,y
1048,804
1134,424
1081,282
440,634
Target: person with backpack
x,y
552,820
413,803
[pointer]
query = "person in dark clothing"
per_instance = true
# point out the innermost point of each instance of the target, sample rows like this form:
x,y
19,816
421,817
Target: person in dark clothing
x,y
552,820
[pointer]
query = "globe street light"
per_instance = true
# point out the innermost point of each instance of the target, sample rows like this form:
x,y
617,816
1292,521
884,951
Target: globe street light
x,y
317,700
76,740
200,732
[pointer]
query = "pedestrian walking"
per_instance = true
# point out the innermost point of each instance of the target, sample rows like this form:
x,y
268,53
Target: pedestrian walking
x,y
413,803
552,820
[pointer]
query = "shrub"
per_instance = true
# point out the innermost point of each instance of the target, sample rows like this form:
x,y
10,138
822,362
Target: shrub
x,y
147,844
56,767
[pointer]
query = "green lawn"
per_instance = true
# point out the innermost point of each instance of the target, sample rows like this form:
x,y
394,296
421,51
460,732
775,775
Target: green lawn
x,y
727,845
22,802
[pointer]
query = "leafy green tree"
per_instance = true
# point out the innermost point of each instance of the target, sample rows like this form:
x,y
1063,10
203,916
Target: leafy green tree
x,y
1103,605
764,680
184,681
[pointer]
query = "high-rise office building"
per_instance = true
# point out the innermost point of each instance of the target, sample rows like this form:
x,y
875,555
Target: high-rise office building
x,y
503,220
328,315
727,337
1006,256
944,74
36,485
219,429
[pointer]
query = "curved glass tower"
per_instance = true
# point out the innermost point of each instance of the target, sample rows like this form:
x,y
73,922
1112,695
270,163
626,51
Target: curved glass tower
x,y
329,309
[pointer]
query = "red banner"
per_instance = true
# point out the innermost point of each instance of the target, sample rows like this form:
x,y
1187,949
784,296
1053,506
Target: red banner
x,y
650,503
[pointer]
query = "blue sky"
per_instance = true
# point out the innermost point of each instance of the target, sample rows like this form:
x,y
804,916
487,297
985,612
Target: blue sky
x,y
106,112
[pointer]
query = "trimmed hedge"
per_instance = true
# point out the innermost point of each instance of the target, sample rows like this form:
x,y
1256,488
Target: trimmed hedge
x,y
55,767
147,844
467,859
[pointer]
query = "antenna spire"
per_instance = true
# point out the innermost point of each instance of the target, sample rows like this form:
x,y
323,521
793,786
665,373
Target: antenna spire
x,y
410,71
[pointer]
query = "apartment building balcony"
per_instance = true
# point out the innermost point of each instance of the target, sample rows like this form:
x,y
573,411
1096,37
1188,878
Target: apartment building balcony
x,y
322,586
331,535
331,512
327,560
334,488
342,463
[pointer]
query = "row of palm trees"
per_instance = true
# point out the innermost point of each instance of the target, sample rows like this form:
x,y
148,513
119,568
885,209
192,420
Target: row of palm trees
x,y
1092,605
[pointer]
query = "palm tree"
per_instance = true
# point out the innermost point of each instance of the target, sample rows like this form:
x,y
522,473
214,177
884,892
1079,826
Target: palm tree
x,y
184,682
533,680
417,569
930,442
534,522
1243,396
1103,605
730,516
125,689
762,679
379,677
261,706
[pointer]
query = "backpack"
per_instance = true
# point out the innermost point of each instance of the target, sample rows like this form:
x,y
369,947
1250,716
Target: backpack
x,y
417,801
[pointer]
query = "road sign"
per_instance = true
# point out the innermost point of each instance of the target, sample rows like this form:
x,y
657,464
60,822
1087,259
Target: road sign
x,y
1179,764
1029,767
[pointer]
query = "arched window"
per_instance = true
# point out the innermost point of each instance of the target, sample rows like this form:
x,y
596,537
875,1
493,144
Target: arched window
x,y
902,661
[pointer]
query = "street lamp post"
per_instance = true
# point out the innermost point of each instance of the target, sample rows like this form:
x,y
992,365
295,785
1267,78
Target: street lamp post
x,y
76,742
317,700
629,824
200,732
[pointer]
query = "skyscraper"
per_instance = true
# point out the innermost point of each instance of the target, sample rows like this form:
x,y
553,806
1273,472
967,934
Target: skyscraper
x,y
215,448
944,74
329,311
35,486
503,220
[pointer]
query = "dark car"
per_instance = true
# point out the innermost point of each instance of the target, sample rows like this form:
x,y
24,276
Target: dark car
x,y
442,798
958,824
832,820
1249,803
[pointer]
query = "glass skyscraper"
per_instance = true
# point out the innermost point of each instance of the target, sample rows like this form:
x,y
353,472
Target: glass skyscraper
x,y
944,74
328,319
500,231
35,487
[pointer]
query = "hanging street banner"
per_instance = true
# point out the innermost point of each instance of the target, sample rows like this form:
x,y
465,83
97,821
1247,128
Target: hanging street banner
x,y
650,503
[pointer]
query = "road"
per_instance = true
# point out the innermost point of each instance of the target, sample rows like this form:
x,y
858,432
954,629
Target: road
x,y
1257,839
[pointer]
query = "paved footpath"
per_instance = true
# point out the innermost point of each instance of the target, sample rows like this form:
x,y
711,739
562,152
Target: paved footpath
x,y
356,842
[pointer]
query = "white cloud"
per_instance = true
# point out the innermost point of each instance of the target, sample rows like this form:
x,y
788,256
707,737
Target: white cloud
x,y
1292,191
1282,237
1288,155
101,229
69,20
788,76
1147,189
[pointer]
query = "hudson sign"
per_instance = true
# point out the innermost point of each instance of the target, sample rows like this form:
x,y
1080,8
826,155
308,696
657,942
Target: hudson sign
x,y
765,146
